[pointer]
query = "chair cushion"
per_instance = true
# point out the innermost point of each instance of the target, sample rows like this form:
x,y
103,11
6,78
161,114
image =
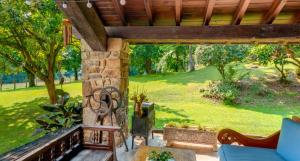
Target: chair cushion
x,y
289,140
243,153
93,155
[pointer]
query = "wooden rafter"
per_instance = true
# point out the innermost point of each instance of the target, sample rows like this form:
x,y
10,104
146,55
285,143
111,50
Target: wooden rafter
x,y
240,12
208,11
120,11
87,23
178,10
249,32
148,8
296,18
273,11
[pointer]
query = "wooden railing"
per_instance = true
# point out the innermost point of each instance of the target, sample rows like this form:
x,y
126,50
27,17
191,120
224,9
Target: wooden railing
x,y
66,144
63,147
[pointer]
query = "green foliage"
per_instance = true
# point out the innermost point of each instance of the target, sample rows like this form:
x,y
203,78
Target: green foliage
x,y
275,54
160,155
175,58
71,58
64,114
232,75
228,92
221,55
32,34
143,58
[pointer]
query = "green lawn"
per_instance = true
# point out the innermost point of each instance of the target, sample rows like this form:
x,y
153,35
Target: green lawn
x,y
177,99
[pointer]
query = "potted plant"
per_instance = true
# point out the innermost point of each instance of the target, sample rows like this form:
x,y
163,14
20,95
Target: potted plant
x,y
160,156
183,132
139,96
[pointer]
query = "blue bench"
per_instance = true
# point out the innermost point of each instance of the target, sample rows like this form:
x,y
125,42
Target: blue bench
x,y
286,149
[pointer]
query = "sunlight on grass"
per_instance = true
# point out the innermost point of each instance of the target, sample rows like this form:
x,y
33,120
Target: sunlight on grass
x,y
177,99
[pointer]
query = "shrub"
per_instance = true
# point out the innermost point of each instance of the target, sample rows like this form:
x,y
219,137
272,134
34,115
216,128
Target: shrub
x,y
171,124
228,92
64,114
184,125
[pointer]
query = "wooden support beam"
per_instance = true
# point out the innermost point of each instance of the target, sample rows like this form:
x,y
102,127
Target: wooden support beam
x,y
178,9
248,32
120,11
273,11
240,12
208,11
296,18
87,23
148,8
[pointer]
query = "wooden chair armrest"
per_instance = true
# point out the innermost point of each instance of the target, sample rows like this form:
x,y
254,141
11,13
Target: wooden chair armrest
x,y
102,128
229,136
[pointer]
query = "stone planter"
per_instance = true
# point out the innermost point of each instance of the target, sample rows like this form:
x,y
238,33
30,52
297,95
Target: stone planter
x,y
190,135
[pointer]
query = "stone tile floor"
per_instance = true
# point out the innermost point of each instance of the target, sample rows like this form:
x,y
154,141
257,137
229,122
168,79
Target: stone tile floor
x,y
122,155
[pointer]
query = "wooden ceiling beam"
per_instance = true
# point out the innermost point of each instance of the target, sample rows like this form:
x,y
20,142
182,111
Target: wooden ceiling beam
x,y
240,12
205,32
273,11
148,8
296,18
178,10
208,11
87,23
120,11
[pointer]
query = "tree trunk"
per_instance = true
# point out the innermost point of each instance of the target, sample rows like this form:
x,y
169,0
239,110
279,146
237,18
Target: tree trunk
x,y
177,63
51,91
148,66
76,74
281,70
50,83
191,60
1,84
14,81
31,78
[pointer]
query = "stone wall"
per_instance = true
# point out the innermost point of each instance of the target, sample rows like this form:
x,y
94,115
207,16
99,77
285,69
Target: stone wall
x,y
102,69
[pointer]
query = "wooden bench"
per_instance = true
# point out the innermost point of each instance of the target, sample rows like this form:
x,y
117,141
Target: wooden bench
x,y
75,144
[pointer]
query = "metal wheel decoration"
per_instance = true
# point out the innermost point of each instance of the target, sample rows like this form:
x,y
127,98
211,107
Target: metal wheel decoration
x,y
106,102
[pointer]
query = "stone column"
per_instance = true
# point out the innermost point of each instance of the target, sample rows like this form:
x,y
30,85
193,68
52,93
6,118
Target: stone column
x,y
101,69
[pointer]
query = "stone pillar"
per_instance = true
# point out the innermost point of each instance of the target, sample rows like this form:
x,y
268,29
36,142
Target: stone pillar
x,y
101,69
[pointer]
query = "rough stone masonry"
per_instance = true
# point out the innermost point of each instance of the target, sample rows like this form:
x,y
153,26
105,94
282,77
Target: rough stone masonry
x,y
101,69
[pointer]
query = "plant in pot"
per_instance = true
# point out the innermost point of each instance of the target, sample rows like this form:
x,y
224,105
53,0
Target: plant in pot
x,y
160,156
139,96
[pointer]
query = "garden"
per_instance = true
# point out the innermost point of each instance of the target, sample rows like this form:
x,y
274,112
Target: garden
x,y
245,87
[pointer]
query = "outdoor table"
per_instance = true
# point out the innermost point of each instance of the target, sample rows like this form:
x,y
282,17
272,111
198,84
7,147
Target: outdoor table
x,y
178,154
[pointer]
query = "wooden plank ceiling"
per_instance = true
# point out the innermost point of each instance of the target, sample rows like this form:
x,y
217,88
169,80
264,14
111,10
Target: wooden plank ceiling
x,y
195,21
198,12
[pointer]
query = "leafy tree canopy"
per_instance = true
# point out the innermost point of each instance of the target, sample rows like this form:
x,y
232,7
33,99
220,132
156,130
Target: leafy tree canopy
x,y
221,55
33,34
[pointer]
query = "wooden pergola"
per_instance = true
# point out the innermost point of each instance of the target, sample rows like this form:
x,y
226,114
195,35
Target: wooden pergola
x,y
186,21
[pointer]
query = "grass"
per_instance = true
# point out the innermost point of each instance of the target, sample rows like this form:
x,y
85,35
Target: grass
x,y
177,99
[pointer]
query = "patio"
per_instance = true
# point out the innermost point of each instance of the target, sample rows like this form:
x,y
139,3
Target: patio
x,y
202,154
106,28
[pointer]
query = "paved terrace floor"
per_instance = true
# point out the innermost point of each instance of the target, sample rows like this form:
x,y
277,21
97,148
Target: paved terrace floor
x,y
202,154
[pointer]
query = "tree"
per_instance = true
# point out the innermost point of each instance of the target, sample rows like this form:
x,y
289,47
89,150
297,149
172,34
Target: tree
x,y
221,55
272,53
33,32
175,58
144,57
6,68
72,58
191,58
13,58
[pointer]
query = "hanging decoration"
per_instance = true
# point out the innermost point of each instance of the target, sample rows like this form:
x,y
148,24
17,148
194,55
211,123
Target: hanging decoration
x,y
67,32
88,4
